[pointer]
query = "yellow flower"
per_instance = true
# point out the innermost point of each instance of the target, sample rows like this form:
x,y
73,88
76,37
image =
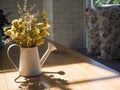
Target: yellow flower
x,y
39,42
15,23
26,30
20,21
39,25
44,33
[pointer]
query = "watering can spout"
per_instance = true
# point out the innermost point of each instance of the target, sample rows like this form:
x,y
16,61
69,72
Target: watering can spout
x,y
50,48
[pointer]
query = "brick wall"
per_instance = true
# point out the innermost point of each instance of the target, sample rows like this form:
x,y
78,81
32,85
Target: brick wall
x,y
68,21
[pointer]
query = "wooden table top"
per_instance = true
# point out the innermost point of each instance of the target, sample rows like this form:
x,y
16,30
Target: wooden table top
x,y
81,73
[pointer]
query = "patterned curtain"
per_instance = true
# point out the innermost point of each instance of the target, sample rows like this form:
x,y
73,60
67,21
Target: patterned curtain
x,y
104,31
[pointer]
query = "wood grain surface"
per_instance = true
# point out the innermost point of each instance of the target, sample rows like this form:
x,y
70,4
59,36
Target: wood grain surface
x,y
64,69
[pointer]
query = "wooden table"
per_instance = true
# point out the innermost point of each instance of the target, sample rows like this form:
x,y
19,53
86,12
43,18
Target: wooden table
x,y
81,73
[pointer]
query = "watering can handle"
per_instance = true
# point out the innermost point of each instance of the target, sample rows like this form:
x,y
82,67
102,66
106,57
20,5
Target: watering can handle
x,y
9,55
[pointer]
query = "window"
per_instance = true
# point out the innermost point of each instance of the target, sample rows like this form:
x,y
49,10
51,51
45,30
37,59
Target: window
x,y
102,2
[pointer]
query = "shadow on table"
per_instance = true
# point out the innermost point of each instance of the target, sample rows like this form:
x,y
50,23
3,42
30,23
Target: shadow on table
x,y
44,81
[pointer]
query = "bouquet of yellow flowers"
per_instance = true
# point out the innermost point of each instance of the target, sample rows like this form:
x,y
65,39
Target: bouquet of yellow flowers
x,y
27,31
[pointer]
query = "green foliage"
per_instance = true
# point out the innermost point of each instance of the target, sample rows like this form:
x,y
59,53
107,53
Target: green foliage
x,y
116,1
102,2
99,2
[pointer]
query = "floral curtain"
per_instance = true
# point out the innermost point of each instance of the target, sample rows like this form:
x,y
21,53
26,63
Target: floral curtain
x,y
109,24
93,31
104,31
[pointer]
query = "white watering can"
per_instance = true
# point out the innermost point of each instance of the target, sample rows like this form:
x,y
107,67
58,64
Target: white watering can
x,y
30,63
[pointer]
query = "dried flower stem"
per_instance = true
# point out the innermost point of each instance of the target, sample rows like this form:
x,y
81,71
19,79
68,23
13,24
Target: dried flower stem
x,y
26,31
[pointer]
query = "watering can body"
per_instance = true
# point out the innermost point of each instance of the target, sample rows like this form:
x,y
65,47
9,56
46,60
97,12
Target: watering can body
x,y
29,62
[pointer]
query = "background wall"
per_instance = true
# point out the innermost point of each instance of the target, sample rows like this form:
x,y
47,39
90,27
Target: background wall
x,y
66,17
68,22
11,6
48,7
